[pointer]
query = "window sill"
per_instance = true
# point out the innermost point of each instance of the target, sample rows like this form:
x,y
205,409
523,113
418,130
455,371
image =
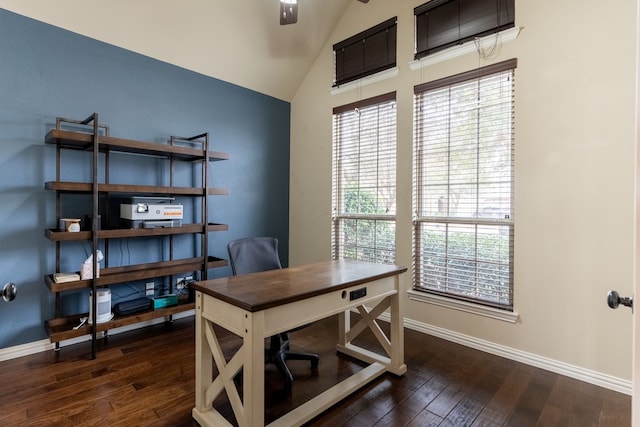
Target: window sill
x,y
463,49
374,78
494,313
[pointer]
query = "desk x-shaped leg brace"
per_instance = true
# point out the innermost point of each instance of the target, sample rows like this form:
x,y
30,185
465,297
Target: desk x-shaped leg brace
x,y
392,345
248,410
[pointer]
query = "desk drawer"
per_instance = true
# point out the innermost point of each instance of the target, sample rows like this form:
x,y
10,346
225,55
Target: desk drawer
x,y
289,316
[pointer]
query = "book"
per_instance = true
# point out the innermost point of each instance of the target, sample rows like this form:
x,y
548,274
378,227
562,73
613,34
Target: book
x,y
65,277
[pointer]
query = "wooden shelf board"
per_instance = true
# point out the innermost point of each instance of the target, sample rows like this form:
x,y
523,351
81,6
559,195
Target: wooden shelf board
x,y
66,286
60,329
147,190
217,227
84,141
213,262
116,275
142,232
59,236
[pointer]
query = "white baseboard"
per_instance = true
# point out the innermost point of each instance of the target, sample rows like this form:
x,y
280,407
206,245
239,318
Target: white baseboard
x,y
44,345
25,349
562,368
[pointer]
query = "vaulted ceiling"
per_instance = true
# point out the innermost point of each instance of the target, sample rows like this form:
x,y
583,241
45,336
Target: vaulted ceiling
x,y
238,41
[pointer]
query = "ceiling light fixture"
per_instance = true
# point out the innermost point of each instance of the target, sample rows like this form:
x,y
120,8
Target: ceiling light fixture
x,y
288,12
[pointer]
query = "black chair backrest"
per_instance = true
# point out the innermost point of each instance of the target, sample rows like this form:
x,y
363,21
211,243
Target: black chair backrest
x,y
253,254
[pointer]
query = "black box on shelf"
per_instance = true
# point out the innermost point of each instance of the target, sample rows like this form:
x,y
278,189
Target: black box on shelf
x,y
132,306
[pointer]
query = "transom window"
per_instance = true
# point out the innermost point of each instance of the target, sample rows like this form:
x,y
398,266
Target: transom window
x,y
440,24
366,53
463,186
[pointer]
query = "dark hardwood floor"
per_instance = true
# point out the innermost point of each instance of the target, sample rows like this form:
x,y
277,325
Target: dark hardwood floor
x,y
146,378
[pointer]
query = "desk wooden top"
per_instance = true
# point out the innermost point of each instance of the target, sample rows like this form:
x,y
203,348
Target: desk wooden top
x,y
267,289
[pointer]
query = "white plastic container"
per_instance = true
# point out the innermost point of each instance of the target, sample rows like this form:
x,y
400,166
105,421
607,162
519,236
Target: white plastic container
x,y
103,306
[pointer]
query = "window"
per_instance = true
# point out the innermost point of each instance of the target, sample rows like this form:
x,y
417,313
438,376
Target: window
x,y
364,180
366,53
440,24
463,186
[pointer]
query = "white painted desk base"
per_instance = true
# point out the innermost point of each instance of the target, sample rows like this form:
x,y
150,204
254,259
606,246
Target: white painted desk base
x,y
254,327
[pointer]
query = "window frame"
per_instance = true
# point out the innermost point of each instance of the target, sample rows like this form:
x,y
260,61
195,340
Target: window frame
x,y
339,214
420,219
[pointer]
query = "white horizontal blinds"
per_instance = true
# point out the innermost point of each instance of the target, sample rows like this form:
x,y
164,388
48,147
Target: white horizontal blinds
x,y
463,183
364,180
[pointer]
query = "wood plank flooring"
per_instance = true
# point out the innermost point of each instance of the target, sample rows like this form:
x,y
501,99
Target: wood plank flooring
x,y
146,378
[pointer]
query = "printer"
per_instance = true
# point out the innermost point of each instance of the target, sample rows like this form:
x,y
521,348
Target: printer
x,y
151,212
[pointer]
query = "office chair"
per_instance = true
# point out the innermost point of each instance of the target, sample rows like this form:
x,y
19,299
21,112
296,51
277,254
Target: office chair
x,y
254,254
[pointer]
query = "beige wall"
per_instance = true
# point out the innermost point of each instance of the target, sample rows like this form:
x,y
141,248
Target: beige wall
x,y
574,201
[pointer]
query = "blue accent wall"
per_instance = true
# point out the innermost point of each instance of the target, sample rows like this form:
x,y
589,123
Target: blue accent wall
x,y
47,72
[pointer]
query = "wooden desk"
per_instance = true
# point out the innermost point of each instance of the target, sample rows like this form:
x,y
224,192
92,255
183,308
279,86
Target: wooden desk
x,y
259,305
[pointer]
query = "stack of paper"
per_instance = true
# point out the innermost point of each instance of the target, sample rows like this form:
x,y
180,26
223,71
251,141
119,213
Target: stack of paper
x,y
65,277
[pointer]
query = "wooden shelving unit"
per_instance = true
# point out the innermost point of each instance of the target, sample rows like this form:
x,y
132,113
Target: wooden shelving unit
x,y
90,136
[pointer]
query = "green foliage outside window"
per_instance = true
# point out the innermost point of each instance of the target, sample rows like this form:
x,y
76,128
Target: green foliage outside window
x,y
367,239
467,263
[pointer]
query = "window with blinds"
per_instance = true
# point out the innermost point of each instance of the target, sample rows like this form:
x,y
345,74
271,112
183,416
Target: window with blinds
x,y
463,186
366,53
440,24
364,180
